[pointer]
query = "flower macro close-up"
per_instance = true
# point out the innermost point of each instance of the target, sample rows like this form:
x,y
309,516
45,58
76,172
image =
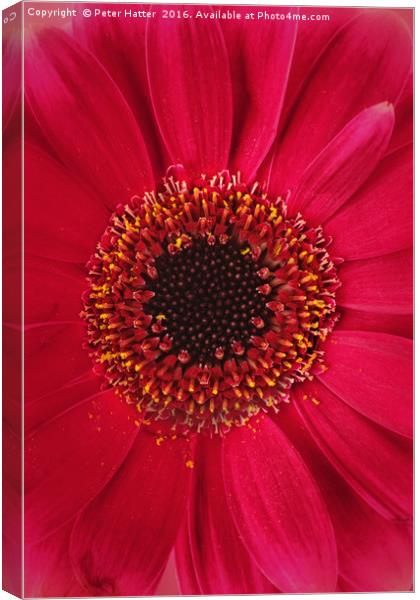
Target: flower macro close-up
x,y
218,303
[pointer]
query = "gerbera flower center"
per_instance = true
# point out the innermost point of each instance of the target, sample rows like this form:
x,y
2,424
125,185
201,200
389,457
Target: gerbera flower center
x,y
209,299
207,303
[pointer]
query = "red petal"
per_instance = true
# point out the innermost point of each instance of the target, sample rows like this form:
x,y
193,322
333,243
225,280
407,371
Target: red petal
x,y
260,63
12,286
373,554
93,132
191,92
62,220
54,357
12,73
70,458
383,284
12,526
373,373
373,461
373,222
119,44
44,408
366,62
187,576
48,571
53,291
12,384
401,325
122,540
278,510
341,168
403,130
310,44
222,565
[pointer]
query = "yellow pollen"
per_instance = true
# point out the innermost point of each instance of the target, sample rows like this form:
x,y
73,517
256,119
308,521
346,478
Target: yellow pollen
x,y
250,381
147,386
269,382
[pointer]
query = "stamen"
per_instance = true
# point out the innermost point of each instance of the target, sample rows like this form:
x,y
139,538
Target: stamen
x,y
206,303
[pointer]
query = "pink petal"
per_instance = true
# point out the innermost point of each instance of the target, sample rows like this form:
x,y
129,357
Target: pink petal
x,y
12,73
53,290
373,553
374,222
341,168
377,554
373,373
191,92
69,459
220,562
48,571
122,540
94,133
401,325
58,346
366,62
403,130
310,44
344,586
260,64
373,461
63,221
277,509
407,14
120,46
383,284
168,583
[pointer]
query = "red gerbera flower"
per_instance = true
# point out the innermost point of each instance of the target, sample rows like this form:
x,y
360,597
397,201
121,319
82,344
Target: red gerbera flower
x,y
230,374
